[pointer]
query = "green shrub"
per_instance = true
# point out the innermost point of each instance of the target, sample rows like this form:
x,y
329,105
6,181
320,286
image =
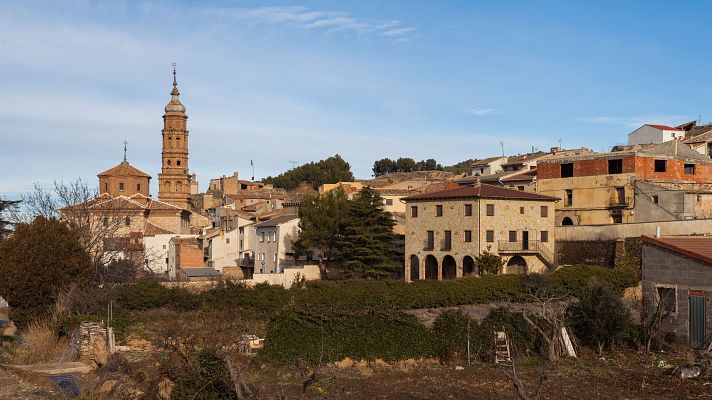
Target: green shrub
x,y
523,340
599,317
452,331
367,335
211,381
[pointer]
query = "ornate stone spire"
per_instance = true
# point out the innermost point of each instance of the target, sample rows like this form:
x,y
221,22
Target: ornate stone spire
x,y
175,106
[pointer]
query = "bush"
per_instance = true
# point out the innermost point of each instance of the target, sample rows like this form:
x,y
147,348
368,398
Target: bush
x,y
211,380
599,317
452,331
522,338
367,335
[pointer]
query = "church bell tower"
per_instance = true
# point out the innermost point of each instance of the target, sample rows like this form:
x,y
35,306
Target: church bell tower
x,y
174,179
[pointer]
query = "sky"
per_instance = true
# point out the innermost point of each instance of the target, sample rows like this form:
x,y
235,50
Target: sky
x,y
286,82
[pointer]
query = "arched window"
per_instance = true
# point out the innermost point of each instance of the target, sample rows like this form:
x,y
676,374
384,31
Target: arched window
x,y
169,162
127,221
449,267
177,162
414,268
179,186
167,186
566,221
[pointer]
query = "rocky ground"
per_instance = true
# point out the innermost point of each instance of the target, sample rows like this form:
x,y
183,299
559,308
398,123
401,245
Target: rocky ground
x,y
22,386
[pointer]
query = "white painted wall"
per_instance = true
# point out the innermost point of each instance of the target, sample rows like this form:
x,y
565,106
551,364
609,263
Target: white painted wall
x,y
648,134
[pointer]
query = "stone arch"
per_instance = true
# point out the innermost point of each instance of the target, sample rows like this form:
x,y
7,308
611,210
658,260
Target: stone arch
x,y
414,268
567,218
468,266
449,268
431,267
516,265
179,186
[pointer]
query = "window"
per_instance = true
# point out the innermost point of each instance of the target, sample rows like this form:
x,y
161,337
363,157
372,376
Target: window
x,y
121,186
106,221
227,240
655,199
447,241
520,188
544,236
512,236
490,210
106,187
620,195
438,210
567,170
389,202
615,166
127,221
164,247
660,165
169,162
489,236
617,218
430,242
690,169
667,297
274,237
177,162
138,187
521,210
468,236
544,211
468,210
699,198
568,197
262,237
413,211
274,257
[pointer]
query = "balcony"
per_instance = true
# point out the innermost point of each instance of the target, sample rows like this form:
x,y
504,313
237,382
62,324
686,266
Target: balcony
x,y
618,203
526,247
245,262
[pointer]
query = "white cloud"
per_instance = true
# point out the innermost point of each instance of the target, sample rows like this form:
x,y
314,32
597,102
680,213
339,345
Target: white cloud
x,y
305,18
482,112
637,121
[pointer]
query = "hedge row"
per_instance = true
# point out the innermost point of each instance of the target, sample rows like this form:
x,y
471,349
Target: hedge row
x,y
329,296
296,335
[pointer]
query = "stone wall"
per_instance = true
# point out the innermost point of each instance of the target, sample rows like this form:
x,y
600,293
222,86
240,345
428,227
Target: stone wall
x,y
666,268
590,252
623,231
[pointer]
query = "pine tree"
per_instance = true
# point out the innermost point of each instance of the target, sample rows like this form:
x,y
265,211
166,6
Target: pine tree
x,y
322,221
367,248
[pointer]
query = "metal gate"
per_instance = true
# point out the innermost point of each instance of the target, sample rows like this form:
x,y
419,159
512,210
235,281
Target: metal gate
x,y
698,317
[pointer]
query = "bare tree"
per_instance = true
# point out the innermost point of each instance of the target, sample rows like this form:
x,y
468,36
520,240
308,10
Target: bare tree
x,y
552,312
98,220
511,372
652,316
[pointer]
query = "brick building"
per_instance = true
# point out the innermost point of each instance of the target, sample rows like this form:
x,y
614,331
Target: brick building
x,y
124,180
603,188
677,275
446,230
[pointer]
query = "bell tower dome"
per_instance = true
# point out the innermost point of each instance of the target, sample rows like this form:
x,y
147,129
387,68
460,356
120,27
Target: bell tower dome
x,y
174,179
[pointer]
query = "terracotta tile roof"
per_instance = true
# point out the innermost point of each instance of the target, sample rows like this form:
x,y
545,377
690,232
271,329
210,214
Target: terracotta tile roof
x,y
276,221
153,230
124,169
663,127
707,136
481,191
485,161
695,247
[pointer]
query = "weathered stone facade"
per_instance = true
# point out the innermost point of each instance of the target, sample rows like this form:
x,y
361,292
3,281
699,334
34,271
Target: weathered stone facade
x,y
520,231
663,268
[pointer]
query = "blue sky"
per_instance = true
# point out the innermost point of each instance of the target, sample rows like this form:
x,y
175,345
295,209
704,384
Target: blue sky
x,y
299,81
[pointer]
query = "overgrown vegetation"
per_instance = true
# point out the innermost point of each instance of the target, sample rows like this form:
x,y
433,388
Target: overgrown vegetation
x,y
37,262
599,317
331,170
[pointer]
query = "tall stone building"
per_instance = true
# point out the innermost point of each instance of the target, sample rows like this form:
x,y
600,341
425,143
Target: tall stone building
x,y
174,180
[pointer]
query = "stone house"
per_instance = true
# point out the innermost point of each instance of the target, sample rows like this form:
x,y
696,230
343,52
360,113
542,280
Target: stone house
x,y
677,275
488,166
446,230
701,143
604,188
272,243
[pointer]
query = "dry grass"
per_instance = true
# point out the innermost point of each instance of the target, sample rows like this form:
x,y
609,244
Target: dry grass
x,y
39,344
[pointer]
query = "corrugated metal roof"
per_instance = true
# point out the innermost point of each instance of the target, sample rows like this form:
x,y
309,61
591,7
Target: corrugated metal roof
x,y
198,272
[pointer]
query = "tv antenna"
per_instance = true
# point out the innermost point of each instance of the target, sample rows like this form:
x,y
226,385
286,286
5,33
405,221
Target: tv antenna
x,y
501,144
